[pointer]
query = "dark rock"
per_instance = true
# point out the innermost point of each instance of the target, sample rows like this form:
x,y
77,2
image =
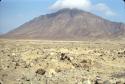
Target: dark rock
x,y
64,57
98,82
83,61
17,64
58,70
119,82
25,78
76,65
40,71
1,82
4,75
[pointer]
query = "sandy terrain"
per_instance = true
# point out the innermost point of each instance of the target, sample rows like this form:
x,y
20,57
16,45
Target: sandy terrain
x,y
59,62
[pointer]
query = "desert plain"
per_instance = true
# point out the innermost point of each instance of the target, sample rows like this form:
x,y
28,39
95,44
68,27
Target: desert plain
x,y
62,62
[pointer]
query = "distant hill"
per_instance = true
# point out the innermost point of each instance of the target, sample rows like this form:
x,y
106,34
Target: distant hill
x,y
68,24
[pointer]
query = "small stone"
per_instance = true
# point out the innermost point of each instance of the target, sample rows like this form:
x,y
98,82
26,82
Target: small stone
x,y
40,71
119,82
13,54
52,53
58,70
51,72
98,81
1,82
17,64
107,82
87,82
62,56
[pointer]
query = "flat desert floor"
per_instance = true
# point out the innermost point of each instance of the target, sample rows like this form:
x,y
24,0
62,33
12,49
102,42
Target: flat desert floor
x,y
62,62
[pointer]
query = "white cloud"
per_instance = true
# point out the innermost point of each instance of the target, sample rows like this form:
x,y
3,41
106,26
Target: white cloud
x,y
83,5
79,4
104,9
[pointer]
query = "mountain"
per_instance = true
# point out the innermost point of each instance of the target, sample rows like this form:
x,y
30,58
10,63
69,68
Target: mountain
x,y
68,24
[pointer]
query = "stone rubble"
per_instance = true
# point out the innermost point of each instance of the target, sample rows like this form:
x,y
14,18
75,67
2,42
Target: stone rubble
x,y
32,62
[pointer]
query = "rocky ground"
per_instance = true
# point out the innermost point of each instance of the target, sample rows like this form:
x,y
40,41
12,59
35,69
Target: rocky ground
x,y
59,62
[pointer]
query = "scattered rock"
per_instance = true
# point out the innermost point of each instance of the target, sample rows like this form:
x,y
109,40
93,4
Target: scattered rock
x,y
119,82
40,71
13,54
1,82
64,57
121,52
50,73
98,80
17,64
107,82
119,75
84,61
58,70
76,65
87,82
25,78
67,67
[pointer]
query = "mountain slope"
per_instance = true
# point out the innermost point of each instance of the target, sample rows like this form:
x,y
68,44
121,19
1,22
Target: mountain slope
x,y
71,24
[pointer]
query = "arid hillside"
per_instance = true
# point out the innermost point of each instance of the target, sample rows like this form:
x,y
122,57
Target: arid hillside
x,y
68,24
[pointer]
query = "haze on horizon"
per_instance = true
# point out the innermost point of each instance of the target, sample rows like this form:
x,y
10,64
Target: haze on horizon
x,y
15,13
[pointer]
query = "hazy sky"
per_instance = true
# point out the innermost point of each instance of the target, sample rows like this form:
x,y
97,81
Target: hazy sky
x,y
13,13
